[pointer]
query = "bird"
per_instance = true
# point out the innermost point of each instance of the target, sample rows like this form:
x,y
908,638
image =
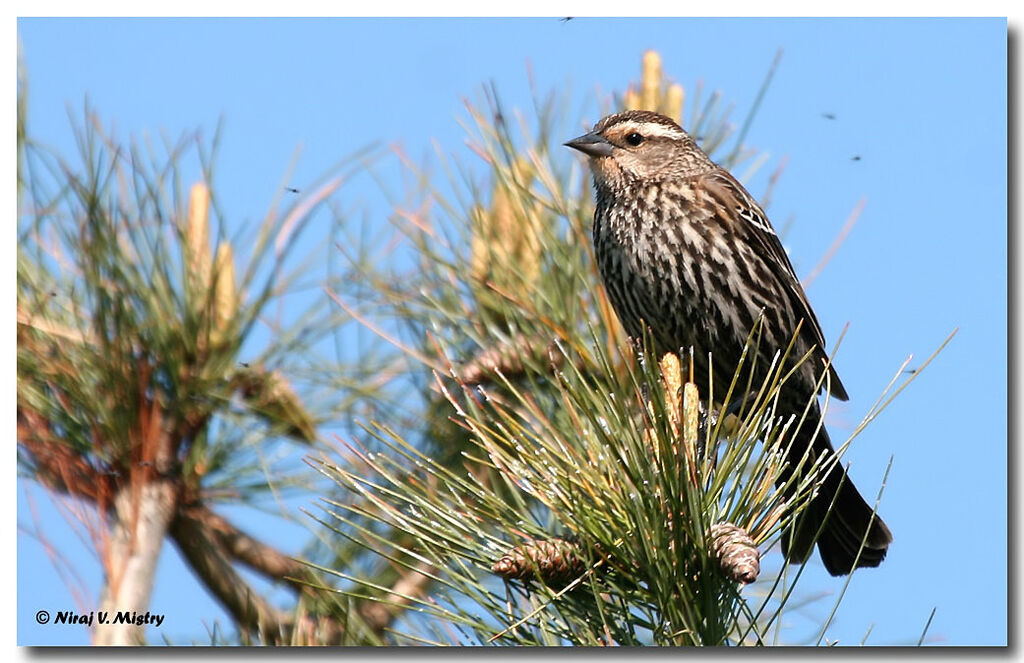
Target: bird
x,y
687,255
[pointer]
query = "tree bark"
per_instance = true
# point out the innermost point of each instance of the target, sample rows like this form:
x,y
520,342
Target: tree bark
x,y
141,517
197,531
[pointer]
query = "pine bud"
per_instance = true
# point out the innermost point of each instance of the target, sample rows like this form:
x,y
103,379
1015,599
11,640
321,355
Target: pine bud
x,y
691,429
506,238
674,103
197,237
671,375
225,300
632,100
650,81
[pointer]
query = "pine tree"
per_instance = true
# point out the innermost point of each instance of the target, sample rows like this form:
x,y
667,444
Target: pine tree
x,y
523,475
560,487
147,396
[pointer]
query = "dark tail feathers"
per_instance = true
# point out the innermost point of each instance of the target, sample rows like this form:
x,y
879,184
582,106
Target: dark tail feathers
x,y
851,523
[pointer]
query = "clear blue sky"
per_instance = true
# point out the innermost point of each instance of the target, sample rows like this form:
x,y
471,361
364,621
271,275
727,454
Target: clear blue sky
x,y
922,102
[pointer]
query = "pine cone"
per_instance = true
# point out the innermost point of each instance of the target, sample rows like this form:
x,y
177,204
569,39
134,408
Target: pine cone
x,y
510,358
269,395
736,552
557,562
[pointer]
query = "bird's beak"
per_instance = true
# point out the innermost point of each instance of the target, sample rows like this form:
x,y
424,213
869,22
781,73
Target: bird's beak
x,y
593,145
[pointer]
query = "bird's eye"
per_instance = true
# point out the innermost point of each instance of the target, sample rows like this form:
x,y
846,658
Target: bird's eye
x,y
634,139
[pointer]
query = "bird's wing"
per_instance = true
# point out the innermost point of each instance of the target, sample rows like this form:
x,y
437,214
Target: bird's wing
x,y
731,195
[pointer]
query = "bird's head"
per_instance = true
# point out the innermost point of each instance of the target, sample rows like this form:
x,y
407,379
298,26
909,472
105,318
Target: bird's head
x,y
640,145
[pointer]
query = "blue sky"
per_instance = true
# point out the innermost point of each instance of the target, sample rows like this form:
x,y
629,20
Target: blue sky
x,y
921,102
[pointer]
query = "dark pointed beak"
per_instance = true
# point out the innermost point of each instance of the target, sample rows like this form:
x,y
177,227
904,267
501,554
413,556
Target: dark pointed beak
x,y
593,145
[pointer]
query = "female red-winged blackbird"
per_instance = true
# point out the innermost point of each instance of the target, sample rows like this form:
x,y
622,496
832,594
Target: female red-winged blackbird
x,y
685,251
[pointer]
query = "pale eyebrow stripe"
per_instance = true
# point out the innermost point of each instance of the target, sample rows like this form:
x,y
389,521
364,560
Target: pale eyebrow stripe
x,y
650,129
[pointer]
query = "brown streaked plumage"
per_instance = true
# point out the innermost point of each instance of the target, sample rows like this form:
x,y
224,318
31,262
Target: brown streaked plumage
x,y
685,251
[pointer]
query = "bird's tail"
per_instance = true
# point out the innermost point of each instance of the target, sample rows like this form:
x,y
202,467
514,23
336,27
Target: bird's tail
x,y
848,532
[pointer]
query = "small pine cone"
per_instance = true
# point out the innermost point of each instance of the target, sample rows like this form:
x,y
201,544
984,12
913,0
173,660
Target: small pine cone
x,y
510,358
557,562
736,552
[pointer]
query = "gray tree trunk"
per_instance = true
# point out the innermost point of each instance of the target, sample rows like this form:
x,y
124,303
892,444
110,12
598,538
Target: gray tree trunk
x,y
141,518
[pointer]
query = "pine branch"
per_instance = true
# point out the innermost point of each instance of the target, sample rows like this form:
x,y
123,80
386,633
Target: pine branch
x,y
613,503
213,543
237,545
56,465
206,554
